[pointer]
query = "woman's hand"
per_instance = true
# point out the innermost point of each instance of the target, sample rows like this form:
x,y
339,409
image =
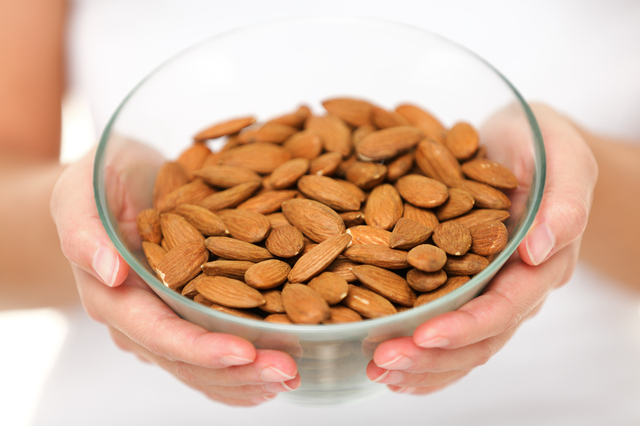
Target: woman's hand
x,y
447,347
224,367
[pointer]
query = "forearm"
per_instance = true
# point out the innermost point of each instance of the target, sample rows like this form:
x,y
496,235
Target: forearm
x,y
35,273
610,242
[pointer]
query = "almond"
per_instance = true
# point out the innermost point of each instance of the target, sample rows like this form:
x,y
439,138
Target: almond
x,y
351,219
190,290
344,268
388,143
226,176
468,264
342,314
325,164
330,286
177,231
364,234
479,216
462,140
261,157
287,174
490,172
278,319
488,238
318,258
437,162
425,281
304,144
148,225
452,237
303,305
224,128
400,166
229,197
242,313
315,220
268,132
170,177
386,283
230,248
422,191
451,284
193,157
277,219
267,274
366,175
154,253
384,207
267,202
191,193
206,222
329,192
227,268
333,131
181,264
245,225
294,119
360,133
377,255
420,215
384,119
408,233
485,196
353,111
367,303
273,302
229,292
458,203
285,241
423,120
427,257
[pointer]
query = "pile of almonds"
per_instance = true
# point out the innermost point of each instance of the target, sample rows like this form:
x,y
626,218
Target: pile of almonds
x,y
307,219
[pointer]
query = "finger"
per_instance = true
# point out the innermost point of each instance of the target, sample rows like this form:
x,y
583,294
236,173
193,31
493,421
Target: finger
x,y
510,297
84,241
404,379
571,176
147,321
420,390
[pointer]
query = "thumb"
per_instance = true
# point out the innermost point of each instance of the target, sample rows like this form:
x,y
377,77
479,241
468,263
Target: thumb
x,y
83,238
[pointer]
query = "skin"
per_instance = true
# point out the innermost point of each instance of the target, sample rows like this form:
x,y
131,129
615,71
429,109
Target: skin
x,y
230,369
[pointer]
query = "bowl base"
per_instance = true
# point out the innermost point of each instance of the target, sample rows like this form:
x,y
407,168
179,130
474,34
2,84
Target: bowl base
x,y
333,397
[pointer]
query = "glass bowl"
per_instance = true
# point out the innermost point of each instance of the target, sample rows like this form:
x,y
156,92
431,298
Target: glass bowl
x,y
270,69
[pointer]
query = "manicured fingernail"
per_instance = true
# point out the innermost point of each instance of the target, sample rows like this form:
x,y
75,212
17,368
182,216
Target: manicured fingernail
x,y
105,263
276,387
399,363
403,390
540,242
433,342
272,374
382,376
234,360
392,377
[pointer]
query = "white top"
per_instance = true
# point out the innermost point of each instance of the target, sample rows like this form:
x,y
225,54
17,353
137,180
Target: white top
x,y
576,363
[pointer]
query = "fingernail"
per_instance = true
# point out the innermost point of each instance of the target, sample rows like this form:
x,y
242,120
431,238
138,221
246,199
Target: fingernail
x,y
392,377
433,342
540,242
403,390
276,387
261,399
399,363
234,360
382,376
105,263
272,374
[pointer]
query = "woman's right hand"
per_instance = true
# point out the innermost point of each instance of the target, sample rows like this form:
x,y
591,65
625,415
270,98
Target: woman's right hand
x,y
224,367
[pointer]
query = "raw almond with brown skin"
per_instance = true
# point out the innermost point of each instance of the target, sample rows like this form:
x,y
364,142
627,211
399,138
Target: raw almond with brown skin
x,y
437,162
229,197
366,175
332,287
268,132
325,164
232,249
227,268
458,203
360,133
451,284
294,119
424,216
327,191
278,319
191,193
224,128
488,238
170,177
245,225
479,216
287,174
267,274
154,253
177,231
181,264
229,292
285,241
365,234
423,120
377,255
485,196
386,283
205,221
342,314
313,219
190,290
356,112
242,313
351,219
277,219
199,299
261,157
388,143
303,305
318,258
344,268
400,166
273,301
368,303
469,264
148,224
384,119
452,237
304,144
490,172
408,233
422,191
462,140
427,258
384,207
267,202
192,158
354,189
425,281
333,131
226,176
